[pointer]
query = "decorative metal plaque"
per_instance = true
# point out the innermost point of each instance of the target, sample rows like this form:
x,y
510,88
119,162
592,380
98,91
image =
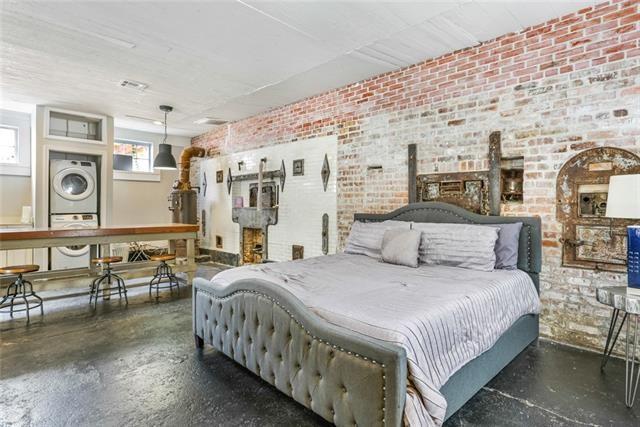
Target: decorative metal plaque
x,y
600,244
325,172
297,252
325,234
219,176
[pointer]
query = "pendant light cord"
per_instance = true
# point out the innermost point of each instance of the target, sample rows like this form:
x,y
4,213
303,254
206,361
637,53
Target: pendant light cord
x,y
164,141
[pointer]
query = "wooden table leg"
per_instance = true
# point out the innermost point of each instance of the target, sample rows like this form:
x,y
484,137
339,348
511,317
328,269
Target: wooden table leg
x,y
191,260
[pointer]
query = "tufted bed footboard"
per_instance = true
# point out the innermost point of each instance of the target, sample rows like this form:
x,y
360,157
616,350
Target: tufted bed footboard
x,y
347,378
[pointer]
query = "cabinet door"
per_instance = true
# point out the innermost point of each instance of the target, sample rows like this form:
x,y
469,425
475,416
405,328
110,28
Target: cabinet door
x,y
19,257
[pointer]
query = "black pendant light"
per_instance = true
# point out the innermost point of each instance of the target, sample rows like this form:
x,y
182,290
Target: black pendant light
x,y
165,160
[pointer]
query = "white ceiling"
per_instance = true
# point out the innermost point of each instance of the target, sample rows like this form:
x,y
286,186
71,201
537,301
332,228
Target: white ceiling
x,y
229,59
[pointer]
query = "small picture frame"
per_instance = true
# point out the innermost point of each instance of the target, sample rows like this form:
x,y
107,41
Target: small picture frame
x,y
298,167
219,176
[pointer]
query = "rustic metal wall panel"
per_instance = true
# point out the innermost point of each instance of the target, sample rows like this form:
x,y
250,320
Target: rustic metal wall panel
x,y
412,164
468,190
589,239
297,252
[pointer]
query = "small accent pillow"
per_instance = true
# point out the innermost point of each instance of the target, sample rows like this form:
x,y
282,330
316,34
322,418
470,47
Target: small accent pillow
x,y
458,245
507,245
401,246
365,238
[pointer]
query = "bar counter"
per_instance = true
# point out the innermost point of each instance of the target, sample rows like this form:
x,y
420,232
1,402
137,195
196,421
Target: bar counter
x,y
99,240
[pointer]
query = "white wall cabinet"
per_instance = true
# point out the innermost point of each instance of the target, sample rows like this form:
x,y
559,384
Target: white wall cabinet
x,y
74,126
16,257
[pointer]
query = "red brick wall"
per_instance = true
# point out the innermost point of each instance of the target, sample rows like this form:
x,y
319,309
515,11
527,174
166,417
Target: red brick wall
x,y
553,90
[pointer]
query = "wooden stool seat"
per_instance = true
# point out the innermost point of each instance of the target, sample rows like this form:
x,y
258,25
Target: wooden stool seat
x,y
106,259
21,290
163,257
164,277
19,269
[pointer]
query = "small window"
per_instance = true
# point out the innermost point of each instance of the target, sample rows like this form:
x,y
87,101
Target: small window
x,y
9,151
132,156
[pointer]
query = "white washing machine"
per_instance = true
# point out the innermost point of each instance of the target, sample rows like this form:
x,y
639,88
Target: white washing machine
x,y
73,188
72,256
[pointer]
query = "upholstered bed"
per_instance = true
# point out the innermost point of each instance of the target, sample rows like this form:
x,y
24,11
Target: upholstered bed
x,y
374,350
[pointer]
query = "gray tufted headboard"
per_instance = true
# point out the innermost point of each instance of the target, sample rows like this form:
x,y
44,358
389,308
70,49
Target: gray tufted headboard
x,y
530,247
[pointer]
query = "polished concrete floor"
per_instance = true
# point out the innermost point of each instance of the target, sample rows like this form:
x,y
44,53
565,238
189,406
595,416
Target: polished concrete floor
x,y
137,365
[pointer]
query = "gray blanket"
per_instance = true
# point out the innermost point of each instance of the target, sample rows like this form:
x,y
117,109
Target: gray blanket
x,y
443,316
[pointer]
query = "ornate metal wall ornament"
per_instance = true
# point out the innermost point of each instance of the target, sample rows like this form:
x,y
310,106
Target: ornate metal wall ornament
x,y
325,172
219,176
325,234
204,184
298,167
229,181
283,176
203,220
589,239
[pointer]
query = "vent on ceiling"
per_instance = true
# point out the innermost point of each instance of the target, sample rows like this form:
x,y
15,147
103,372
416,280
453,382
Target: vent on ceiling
x,y
132,84
210,121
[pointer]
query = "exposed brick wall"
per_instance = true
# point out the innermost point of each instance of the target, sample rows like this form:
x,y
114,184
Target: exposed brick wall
x,y
553,90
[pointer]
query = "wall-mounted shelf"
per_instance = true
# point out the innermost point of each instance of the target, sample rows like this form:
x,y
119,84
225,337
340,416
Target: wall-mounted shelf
x,y
74,126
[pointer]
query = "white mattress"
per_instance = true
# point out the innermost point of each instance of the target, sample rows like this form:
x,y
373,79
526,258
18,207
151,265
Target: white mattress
x,y
443,316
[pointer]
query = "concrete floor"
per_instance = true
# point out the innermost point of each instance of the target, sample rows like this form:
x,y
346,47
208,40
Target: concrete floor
x,y
137,365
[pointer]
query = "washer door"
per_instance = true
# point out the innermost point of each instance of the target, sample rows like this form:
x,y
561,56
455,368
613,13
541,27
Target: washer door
x,y
73,184
75,250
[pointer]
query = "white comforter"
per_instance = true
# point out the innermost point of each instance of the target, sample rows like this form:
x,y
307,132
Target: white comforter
x,y
442,316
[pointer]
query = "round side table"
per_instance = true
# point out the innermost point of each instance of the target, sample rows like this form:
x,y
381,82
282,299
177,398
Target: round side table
x,y
628,303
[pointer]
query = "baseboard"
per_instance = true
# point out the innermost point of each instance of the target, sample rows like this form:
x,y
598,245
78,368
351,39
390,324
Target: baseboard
x,y
221,257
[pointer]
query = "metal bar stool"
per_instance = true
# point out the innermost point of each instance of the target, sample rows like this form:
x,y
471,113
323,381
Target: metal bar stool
x,y
163,271
21,289
107,278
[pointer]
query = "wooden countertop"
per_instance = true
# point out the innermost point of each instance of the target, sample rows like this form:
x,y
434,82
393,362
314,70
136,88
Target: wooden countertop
x,y
45,233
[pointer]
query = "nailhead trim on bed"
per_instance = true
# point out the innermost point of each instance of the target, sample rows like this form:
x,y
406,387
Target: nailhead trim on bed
x,y
315,338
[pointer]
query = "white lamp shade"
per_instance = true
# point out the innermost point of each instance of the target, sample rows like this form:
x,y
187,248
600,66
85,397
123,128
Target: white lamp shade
x,y
623,200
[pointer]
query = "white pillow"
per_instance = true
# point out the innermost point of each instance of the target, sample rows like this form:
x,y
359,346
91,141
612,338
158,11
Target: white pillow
x,y
400,247
365,238
458,245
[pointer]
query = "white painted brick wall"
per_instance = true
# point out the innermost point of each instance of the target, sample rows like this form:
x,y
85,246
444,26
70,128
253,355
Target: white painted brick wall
x,y
302,203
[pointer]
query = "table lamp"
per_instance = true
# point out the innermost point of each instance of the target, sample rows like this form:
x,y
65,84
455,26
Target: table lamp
x,y
623,201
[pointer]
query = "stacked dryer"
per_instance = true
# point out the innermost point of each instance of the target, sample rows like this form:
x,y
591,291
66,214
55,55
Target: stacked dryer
x,y
73,203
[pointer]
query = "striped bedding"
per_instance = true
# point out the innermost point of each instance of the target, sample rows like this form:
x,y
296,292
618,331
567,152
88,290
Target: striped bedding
x,y
442,316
